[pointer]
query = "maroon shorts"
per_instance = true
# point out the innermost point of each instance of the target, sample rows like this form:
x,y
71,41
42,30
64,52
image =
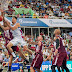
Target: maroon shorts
x,y
15,48
37,61
60,59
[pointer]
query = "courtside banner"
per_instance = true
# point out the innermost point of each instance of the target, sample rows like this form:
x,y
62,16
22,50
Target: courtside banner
x,y
46,66
39,22
15,66
57,22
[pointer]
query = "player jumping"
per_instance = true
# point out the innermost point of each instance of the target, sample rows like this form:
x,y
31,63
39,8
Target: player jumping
x,y
8,36
17,37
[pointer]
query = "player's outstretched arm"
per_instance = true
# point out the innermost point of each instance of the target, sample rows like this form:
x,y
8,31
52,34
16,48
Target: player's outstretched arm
x,y
4,28
48,57
34,43
50,47
15,27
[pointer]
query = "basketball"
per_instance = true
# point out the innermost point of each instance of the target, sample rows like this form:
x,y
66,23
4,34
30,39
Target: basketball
x,y
1,18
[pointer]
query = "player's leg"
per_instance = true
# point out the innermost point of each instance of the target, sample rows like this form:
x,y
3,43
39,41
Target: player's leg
x,y
23,43
23,57
9,45
62,68
26,49
10,63
65,67
36,63
64,63
56,52
57,62
58,69
13,42
53,68
54,64
50,60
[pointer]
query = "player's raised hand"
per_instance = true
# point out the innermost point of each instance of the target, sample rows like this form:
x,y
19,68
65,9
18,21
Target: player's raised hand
x,y
8,23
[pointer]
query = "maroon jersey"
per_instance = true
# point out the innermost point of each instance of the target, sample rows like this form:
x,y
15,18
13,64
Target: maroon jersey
x,y
37,61
8,36
39,49
61,47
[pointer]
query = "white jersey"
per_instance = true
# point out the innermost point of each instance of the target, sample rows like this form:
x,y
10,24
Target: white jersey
x,y
17,37
16,32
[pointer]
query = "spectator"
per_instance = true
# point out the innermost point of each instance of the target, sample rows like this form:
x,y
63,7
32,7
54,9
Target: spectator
x,y
68,53
18,59
46,37
46,16
34,15
6,59
46,53
71,54
55,8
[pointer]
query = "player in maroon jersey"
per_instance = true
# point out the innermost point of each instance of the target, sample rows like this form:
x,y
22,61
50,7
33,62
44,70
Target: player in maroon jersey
x,y
37,61
8,36
60,53
52,54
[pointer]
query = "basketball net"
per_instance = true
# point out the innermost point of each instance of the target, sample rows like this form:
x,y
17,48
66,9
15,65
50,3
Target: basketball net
x,y
4,4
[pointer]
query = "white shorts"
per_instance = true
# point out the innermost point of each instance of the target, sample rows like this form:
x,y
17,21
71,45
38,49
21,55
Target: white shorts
x,y
15,41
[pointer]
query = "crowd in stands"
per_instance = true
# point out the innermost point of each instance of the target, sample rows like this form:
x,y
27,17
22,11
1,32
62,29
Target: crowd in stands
x,y
42,9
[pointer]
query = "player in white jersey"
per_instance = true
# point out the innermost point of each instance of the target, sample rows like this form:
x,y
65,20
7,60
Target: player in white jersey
x,y
17,38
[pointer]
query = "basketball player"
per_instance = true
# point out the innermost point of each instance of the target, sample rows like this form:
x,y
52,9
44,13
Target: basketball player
x,y
61,55
8,36
37,61
53,54
17,38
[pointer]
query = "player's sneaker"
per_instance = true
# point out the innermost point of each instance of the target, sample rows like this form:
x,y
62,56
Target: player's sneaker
x,y
13,54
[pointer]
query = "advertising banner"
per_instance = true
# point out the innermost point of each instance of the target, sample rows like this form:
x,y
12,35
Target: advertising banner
x,y
43,22
57,22
46,66
15,66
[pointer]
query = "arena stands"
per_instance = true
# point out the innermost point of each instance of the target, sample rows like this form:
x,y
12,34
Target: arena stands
x,y
39,9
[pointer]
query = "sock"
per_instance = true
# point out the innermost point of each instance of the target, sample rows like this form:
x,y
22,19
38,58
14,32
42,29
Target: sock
x,y
13,54
9,68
